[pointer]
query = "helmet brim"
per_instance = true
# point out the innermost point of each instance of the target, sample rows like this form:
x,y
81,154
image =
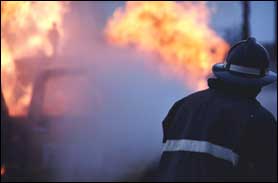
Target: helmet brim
x,y
222,73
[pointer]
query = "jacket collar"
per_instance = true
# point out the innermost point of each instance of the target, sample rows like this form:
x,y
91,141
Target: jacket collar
x,y
233,89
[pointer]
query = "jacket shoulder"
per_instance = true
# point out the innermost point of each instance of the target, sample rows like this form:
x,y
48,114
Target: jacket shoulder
x,y
263,116
168,120
195,96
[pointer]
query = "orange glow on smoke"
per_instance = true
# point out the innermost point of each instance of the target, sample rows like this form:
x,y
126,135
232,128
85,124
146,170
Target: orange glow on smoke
x,y
178,32
25,26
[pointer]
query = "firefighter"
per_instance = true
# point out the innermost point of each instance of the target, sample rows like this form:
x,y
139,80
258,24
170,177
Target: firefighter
x,y
53,36
223,133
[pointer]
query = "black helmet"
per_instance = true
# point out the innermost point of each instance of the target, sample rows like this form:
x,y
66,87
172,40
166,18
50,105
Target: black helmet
x,y
246,64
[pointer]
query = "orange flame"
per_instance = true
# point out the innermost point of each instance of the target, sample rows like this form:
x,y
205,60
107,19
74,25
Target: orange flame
x,y
25,26
178,32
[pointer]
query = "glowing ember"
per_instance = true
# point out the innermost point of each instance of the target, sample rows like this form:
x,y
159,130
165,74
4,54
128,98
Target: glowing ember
x,y
178,32
3,171
25,28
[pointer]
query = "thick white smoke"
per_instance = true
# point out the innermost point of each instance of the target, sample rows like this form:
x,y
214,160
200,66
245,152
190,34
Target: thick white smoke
x,y
112,128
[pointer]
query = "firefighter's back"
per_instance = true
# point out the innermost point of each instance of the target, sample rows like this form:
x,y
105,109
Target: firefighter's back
x,y
203,134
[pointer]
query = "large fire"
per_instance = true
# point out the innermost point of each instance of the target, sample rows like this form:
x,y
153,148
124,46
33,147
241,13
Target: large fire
x,y
178,32
25,33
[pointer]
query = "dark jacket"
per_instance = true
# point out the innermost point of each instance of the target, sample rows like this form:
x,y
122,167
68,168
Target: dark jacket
x,y
222,133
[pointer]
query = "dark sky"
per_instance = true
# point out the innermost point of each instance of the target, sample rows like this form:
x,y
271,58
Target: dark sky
x,y
229,14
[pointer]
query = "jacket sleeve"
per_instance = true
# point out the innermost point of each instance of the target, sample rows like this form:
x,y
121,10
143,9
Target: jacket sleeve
x,y
258,154
169,119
